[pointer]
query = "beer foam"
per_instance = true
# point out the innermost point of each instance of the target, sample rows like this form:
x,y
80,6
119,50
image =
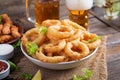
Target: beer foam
x,y
79,4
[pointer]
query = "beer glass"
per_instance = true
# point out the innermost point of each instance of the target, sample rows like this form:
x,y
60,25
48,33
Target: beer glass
x,y
40,10
78,11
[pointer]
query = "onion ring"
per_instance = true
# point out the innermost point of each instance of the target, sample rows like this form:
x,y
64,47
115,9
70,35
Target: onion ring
x,y
28,36
92,45
56,32
76,50
88,35
72,24
55,47
48,23
77,34
42,57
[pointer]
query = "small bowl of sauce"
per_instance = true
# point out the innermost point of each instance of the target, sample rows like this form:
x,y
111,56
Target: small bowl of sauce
x,y
6,51
4,69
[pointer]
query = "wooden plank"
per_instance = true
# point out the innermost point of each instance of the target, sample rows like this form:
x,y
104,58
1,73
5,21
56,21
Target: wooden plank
x,y
113,38
113,61
96,26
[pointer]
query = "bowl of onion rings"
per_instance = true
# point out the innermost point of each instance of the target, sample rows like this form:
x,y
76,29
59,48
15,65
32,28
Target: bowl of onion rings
x,y
59,44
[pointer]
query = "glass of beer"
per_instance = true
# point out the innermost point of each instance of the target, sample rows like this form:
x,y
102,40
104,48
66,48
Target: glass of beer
x,y
40,10
78,11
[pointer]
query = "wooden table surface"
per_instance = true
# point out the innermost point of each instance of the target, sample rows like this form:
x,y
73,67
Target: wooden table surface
x,y
97,24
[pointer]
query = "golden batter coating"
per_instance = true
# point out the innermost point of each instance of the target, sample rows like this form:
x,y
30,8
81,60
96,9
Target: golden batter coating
x,y
14,31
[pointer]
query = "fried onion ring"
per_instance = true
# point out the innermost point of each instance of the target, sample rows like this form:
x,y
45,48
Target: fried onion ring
x,y
56,32
28,36
92,45
77,34
76,50
89,36
55,47
50,59
72,24
48,23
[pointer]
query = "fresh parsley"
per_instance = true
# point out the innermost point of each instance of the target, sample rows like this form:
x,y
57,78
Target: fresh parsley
x,y
13,66
42,29
31,47
87,74
17,44
26,76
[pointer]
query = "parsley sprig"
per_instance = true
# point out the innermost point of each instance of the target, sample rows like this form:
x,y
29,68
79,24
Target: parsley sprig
x,y
26,76
17,44
87,74
31,47
13,66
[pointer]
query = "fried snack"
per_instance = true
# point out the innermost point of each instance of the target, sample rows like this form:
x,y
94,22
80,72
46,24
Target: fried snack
x,y
72,24
6,28
6,18
92,45
4,38
63,41
76,50
30,35
14,31
77,34
55,47
1,26
91,40
56,32
8,31
42,57
7,24
48,23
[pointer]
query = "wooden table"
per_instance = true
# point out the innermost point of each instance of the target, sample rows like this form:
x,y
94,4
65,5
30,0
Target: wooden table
x,y
97,24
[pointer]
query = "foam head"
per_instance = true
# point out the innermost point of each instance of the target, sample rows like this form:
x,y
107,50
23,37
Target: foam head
x,y
79,4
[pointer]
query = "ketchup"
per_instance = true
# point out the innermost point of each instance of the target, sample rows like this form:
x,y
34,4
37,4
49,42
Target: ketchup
x,y
3,66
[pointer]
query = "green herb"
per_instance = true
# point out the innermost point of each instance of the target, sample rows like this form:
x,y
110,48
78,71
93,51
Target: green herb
x,y
94,39
0,19
42,29
13,67
31,47
17,44
116,6
87,74
26,76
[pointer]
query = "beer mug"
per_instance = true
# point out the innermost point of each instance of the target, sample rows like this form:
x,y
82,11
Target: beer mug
x,y
40,10
78,11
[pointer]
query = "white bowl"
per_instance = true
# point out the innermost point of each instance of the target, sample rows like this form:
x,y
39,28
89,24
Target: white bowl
x,y
6,51
6,72
58,66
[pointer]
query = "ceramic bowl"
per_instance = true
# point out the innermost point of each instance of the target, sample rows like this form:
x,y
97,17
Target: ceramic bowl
x,y
5,72
6,51
58,66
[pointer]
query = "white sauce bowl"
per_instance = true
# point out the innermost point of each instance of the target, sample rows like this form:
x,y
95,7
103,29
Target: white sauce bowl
x,y
6,51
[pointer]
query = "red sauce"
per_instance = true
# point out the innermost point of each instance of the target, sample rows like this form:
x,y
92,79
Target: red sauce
x,y
3,66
